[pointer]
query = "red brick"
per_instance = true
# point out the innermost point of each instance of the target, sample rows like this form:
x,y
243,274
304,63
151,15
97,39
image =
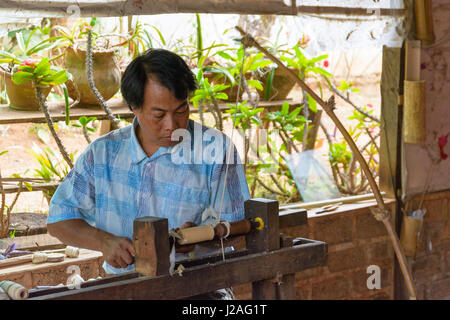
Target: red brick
x,y
332,229
310,273
331,288
434,210
302,231
243,291
346,259
366,226
426,267
380,253
304,292
440,289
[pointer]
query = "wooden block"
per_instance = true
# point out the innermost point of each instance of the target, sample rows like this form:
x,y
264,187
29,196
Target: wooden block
x,y
151,242
266,239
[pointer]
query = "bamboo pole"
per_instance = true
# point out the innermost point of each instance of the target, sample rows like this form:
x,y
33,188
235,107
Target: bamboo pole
x,y
381,213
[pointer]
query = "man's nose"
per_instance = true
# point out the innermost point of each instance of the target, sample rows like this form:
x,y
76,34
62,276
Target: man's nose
x,y
169,123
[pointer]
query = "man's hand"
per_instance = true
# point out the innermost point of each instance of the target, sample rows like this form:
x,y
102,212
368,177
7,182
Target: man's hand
x,y
118,251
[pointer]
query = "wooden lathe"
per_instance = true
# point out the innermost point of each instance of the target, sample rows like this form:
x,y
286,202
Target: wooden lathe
x,y
269,261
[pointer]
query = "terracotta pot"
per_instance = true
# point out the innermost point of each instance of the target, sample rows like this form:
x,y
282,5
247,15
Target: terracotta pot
x,y
282,84
106,71
22,97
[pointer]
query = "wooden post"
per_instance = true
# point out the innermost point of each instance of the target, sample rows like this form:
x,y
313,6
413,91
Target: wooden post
x,y
266,239
151,242
286,287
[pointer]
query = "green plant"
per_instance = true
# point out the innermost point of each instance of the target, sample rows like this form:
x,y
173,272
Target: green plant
x,y
238,64
51,167
42,75
208,94
28,49
5,210
306,68
83,123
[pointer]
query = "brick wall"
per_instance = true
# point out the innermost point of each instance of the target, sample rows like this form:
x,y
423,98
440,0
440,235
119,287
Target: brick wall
x,y
355,241
431,265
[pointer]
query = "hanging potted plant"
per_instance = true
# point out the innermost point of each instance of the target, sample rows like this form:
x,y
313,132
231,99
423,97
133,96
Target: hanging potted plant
x,y
43,75
22,96
105,66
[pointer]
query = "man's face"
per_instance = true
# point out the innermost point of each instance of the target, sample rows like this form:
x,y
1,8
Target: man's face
x,y
160,115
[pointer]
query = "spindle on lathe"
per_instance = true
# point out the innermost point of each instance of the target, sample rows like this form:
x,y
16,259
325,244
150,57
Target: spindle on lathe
x,y
221,230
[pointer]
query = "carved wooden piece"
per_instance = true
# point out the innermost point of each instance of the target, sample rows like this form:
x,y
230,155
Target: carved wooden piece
x,y
151,242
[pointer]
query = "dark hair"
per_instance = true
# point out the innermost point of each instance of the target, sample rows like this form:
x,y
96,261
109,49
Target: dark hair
x,y
170,69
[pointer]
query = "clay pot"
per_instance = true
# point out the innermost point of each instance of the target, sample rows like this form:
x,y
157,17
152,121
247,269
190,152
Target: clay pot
x,y
22,96
282,84
106,71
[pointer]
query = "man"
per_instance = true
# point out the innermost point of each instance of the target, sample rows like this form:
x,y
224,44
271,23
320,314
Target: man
x,y
131,172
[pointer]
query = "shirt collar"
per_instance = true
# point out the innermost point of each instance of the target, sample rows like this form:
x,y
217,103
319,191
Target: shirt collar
x,y
138,154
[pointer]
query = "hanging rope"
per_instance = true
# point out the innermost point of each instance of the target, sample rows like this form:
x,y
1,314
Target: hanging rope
x,y
228,151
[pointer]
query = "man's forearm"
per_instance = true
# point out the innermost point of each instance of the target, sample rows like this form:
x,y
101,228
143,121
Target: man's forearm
x,y
117,251
79,233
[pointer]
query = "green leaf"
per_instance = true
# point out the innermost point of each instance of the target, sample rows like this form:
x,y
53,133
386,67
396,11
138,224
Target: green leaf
x,y
163,41
42,68
312,103
21,42
22,77
269,84
28,69
260,65
221,96
225,55
320,71
255,84
3,152
285,108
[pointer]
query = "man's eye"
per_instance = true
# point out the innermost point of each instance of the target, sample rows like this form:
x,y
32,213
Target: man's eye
x,y
159,116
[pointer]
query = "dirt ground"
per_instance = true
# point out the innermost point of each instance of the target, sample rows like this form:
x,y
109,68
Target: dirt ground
x,y
16,138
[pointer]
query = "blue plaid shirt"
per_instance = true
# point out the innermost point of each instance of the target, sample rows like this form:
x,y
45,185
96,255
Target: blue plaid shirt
x,y
114,182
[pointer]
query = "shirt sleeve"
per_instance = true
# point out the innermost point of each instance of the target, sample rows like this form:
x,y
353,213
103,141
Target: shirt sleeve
x,y
75,196
235,184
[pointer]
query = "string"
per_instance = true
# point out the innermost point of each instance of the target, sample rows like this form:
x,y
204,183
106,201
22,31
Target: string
x,y
231,144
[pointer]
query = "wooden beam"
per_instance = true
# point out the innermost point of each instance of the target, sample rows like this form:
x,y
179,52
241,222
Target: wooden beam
x,y
119,8
9,115
391,116
206,278
34,187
